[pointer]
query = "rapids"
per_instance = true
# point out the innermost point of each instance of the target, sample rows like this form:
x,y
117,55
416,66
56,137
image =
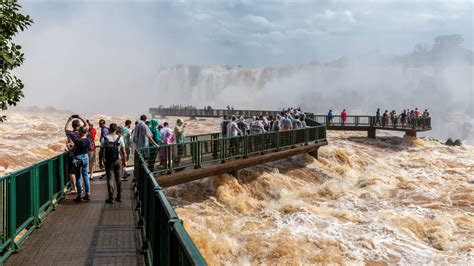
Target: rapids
x,y
389,200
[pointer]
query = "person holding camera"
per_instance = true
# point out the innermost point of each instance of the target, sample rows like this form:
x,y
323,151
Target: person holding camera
x,y
72,136
81,164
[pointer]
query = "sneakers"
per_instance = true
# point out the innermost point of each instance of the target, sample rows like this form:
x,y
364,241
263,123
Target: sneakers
x,y
118,199
78,199
87,197
109,201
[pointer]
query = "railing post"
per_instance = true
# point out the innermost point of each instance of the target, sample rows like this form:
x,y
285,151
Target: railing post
x,y
50,181
293,138
306,136
61,174
34,192
11,210
246,145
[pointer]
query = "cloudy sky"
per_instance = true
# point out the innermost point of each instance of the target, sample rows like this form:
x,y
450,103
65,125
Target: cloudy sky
x,y
246,32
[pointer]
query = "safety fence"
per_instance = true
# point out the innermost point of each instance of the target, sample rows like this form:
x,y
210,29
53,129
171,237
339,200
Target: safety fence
x,y
199,150
26,197
166,242
210,113
371,121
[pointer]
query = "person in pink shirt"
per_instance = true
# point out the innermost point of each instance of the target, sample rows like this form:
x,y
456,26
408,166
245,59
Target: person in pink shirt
x,y
343,117
167,136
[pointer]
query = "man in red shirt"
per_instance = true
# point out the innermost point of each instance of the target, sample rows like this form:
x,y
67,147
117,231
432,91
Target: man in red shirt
x,y
92,156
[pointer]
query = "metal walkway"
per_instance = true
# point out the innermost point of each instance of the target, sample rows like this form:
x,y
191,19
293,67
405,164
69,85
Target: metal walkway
x,y
86,233
353,122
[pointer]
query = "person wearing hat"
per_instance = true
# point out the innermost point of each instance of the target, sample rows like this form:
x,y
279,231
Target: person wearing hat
x,y
179,138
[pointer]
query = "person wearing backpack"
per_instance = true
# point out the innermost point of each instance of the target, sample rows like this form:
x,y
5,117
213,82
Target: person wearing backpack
x,y
112,155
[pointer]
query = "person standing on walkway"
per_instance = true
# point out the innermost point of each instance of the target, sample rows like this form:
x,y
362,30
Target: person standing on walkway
x,y
276,124
285,123
377,117
71,136
242,125
81,163
385,118
92,156
104,131
112,155
330,117
142,136
125,132
224,126
233,131
179,139
343,117
167,138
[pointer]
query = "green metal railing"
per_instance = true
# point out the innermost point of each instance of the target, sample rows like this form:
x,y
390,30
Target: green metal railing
x,y
27,196
210,113
166,240
370,121
199,150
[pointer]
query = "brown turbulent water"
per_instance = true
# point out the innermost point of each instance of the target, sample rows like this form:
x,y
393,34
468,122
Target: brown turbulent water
x,y
390,200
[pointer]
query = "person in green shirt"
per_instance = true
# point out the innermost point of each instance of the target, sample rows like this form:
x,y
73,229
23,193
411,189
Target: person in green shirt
x,y
153,153
155,131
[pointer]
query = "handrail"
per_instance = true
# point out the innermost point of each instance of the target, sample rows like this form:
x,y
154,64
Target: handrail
x,y
27,196
422,123
166,240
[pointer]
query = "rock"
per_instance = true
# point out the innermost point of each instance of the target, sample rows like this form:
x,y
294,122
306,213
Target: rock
x,y
449,142
457,142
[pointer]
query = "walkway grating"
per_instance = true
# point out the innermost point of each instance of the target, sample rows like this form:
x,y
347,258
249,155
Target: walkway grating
x,y
87,233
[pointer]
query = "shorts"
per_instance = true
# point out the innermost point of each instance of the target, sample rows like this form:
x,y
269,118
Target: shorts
x,y
70,166
92,157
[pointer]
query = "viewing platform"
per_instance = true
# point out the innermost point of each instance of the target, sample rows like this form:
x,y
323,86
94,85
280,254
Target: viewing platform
x,y
353,122
40,224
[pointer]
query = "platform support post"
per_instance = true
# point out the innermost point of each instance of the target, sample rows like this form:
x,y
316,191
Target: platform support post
x,y
410,133
371,133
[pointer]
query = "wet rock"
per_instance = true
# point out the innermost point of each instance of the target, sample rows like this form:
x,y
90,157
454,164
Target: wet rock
x,y
457,142
449,142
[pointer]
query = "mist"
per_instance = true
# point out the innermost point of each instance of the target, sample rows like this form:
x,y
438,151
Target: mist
x,y
126,56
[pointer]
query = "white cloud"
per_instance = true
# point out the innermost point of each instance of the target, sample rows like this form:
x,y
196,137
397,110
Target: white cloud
x,y
258,20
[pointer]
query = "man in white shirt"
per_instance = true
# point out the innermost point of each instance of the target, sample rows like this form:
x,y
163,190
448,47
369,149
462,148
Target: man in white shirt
x,y
233,131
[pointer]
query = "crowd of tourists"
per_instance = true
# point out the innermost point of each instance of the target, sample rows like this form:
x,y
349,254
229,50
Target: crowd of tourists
x,y
116,143
406,118
232,126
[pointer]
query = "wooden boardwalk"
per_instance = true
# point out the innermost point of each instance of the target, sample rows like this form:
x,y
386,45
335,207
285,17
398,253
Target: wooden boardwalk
x,y
86,233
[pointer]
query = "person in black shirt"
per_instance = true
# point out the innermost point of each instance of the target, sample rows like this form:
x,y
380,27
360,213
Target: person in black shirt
x,y
81,163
